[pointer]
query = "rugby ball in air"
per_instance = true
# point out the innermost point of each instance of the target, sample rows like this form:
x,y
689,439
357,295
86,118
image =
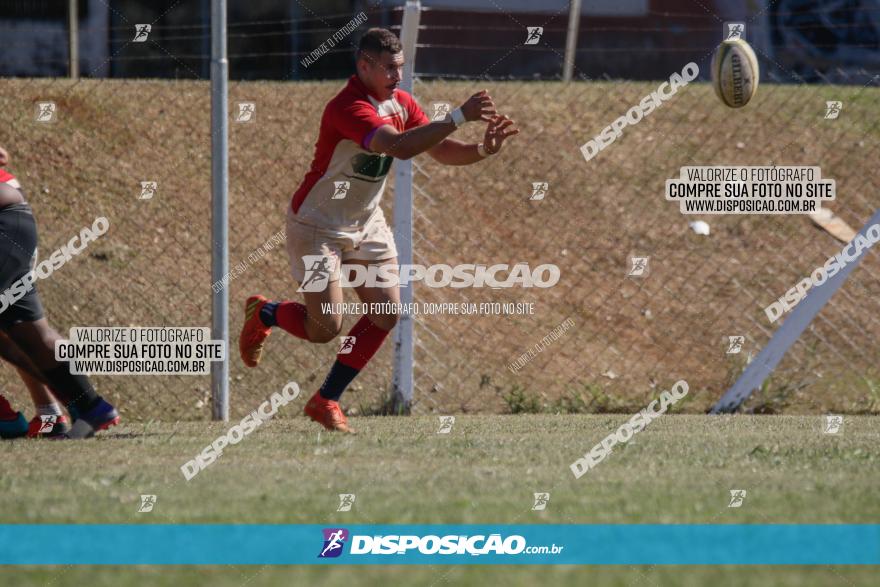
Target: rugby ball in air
x,y
735,73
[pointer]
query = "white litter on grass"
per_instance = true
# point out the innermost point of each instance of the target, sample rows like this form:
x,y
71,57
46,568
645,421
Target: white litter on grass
x,y
699,227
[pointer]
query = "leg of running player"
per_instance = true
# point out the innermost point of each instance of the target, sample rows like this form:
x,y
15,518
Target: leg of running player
x,y
364,338
54,424
381,298
89,410
368,333
320,326
13,355
310,321
24,322
307,321
13,424
49,420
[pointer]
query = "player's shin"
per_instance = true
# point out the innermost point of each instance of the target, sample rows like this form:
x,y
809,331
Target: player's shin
x,y
75,391
289,316
357,349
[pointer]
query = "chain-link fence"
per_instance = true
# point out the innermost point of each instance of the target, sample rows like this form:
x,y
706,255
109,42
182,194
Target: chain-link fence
x,y
599,340
634,334
605,340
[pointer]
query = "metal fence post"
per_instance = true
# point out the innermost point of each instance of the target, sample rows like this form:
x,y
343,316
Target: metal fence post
x,y
73,39
402,382
571,39
219,206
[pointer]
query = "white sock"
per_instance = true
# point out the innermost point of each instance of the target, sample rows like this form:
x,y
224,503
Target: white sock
x,y
52,409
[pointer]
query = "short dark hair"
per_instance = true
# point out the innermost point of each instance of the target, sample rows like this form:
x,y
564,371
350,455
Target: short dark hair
x,y
377,40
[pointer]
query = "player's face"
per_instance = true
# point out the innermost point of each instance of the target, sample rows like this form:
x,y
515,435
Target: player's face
x,y
382,74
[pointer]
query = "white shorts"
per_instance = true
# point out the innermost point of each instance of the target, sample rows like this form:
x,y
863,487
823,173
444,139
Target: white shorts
x,y
373,242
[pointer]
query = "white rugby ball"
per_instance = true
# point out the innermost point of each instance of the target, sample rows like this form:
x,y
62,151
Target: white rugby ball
x,y
735,73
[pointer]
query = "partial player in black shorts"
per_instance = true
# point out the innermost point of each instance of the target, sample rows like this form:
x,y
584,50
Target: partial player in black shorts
x,y
49,420
18,241
22,320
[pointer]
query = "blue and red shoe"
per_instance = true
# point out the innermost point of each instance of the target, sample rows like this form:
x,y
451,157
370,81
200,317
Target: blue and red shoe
x,y
11,422
100,417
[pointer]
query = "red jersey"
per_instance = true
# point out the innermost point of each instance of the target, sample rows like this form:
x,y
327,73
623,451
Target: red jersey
x,y
344,185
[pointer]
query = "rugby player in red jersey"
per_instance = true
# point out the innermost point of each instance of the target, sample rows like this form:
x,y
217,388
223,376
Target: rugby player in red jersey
x,y
335,217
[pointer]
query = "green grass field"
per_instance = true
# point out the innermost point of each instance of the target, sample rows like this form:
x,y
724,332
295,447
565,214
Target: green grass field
x,y
679,470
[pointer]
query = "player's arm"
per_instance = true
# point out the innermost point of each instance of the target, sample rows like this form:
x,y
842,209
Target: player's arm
x,y
455,152
409,143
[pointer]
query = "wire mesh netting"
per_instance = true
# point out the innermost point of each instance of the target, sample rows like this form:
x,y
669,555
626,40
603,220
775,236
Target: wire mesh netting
x,y
599,340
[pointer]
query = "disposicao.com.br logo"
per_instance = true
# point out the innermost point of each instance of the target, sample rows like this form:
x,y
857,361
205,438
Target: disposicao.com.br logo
x,y
320,270
334,540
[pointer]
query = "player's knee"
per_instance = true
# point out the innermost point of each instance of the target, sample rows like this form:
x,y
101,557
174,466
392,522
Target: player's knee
x,y
325,331
321,336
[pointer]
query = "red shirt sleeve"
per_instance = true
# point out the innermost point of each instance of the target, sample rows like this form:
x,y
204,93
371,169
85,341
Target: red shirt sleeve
x,y
356,121
415,115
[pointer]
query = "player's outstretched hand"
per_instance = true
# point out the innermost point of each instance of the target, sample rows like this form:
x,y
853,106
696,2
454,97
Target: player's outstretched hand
x,y
479,107
500,127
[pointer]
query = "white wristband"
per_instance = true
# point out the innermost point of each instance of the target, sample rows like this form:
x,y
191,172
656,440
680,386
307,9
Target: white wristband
x,y
458,117
482,152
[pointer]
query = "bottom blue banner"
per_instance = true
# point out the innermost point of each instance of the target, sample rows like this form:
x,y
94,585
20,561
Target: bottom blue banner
x,y
648,544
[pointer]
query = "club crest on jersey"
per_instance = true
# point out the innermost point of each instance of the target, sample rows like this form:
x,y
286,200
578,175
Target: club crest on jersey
x,y
371,166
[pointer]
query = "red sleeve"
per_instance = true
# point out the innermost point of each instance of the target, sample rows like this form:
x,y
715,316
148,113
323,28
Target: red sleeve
x,y
356,121
415,115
